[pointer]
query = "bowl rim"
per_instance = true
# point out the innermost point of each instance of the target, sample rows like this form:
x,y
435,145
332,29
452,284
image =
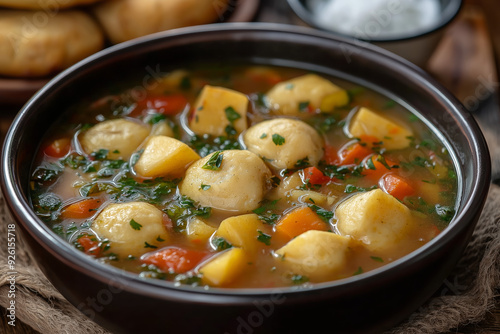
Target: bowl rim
x,y
450,12
67,254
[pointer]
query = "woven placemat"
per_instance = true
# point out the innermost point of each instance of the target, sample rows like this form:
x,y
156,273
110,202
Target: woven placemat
x,y
465,297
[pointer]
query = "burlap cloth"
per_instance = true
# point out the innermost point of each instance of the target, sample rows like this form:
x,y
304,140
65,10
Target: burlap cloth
x,y
465,297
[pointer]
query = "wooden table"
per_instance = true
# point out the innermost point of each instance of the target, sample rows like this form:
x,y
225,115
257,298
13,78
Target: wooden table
x,y
278,11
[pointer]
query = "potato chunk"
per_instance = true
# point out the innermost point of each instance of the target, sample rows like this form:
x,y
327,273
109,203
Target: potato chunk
x,y
216,108
224,268
238,184
367,122
377,219
119,136
294,97
315,254
130,227
165,156
162,129
284,142
199,231
243,231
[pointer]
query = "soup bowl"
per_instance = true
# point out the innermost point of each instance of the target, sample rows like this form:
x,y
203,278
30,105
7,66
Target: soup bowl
x,y
124,302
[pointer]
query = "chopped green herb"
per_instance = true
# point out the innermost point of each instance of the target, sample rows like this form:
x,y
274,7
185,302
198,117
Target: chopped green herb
x,y
381,159
275,181
324,214
232,115
264,238
303,106
159,239
370,164
205,186
413,118
264,135
446,213
214,162
135,225
299,279
146,245
376,258
389,104
358,271
278,140
156,118
101,154
289,86
302,163
221,244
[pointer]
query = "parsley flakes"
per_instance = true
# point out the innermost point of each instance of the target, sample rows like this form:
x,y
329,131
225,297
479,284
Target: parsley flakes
x,y
214,162
135,225
278,140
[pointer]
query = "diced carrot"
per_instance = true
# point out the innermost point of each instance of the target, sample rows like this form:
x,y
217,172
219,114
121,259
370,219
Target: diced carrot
x,y
314,176
176,259
354,154
330,155
396,186
299,221
375,168
167,105
82,209
90,244
58,148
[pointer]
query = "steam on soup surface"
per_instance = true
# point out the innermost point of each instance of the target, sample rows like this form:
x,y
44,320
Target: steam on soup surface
x,y
244,177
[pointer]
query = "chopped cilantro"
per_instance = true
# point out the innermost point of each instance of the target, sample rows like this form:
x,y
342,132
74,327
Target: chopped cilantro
x,y
231,114
376,258
299,279
264,238
358,271
370,164
135,225
264,135
156,118
159,239
221,244
303,106
278,140
214,162
100,154
146,245
205,186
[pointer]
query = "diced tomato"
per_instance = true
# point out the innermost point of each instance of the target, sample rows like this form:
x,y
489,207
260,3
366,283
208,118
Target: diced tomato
x,y
167,105
176,259
90,244
396,186
314,176
58,148
82,209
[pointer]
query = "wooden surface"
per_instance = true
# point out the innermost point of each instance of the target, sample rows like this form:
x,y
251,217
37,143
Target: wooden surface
x,y
460,76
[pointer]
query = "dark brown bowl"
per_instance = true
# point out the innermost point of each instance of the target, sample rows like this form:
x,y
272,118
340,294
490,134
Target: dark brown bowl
x,y
370,302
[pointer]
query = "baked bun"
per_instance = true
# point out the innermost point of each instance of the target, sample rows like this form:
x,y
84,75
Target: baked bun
x,y
47,5
123,20
35,44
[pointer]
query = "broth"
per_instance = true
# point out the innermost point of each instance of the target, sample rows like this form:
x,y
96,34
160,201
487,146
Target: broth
x,y
364,200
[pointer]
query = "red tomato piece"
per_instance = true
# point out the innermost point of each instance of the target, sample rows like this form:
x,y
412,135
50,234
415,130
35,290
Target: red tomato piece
x,y
167,105
58,148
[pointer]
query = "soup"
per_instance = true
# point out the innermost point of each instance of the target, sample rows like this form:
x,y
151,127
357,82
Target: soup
x,y
244,177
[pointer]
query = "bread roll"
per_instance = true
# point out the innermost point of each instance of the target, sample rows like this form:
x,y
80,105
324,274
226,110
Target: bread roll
x,y
38,43
127,19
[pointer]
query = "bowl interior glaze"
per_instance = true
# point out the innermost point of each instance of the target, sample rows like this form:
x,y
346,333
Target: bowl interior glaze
x,y
381,297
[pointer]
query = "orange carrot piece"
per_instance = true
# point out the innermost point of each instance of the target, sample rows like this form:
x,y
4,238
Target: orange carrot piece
x,y
90,244
58,148
299,221
315,176
176,259
397,186
354,154
82,209
377,170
